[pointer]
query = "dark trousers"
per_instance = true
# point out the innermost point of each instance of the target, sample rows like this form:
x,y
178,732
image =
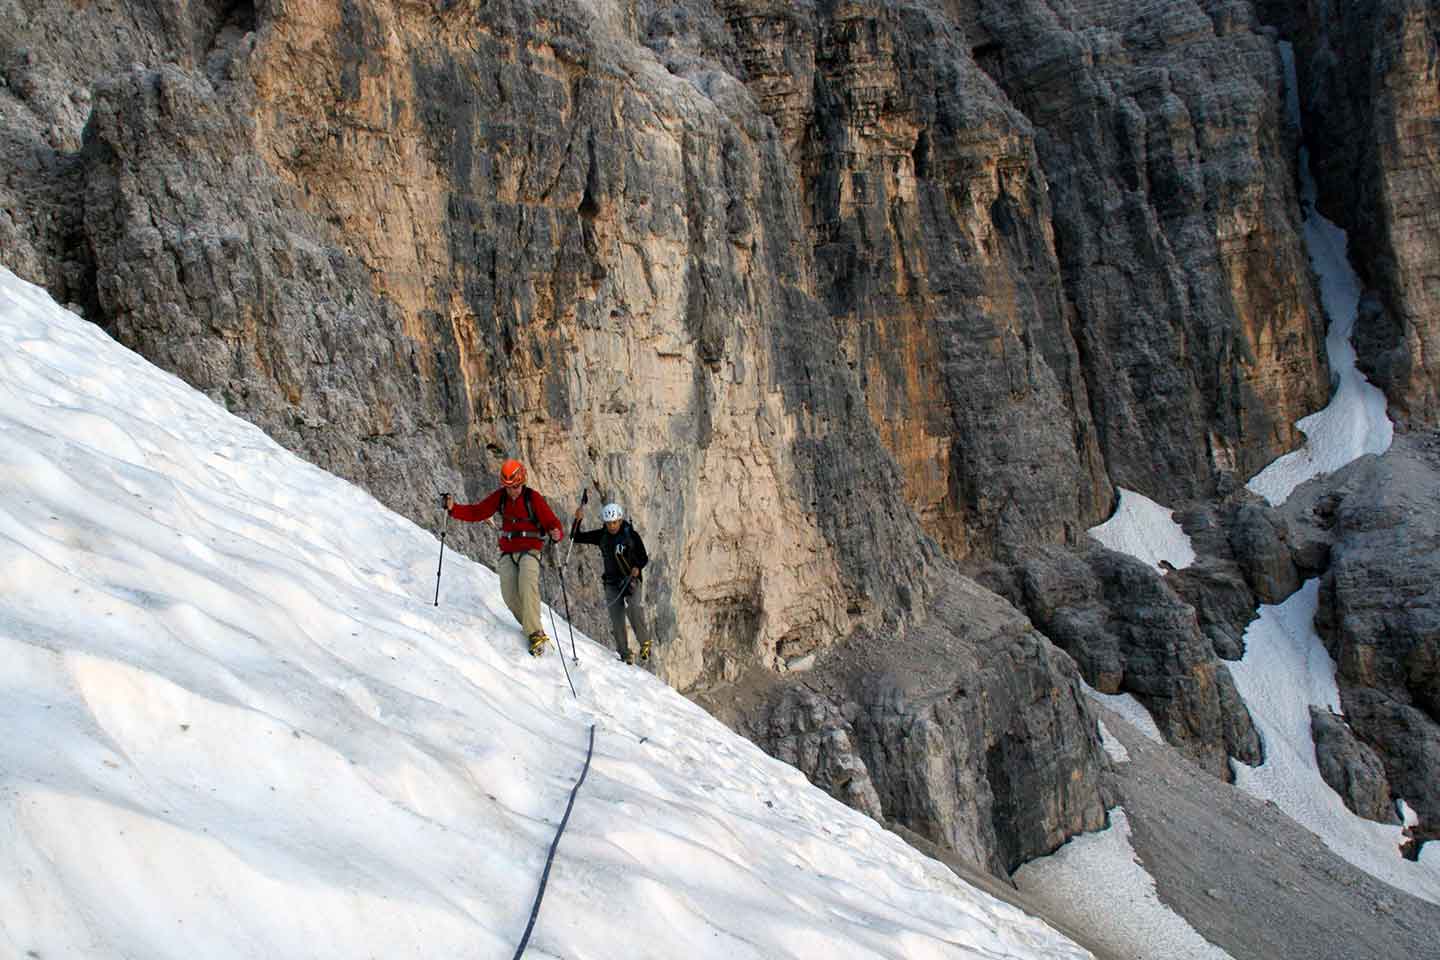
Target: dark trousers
x,y
622,607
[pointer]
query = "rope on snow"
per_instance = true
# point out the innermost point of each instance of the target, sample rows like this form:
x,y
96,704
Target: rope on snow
x,y
554,845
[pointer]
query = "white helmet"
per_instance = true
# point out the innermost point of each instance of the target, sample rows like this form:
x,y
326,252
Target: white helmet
x,y
611,511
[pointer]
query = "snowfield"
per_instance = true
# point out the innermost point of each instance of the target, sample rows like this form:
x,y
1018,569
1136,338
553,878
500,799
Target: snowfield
x,y
1146,531
1104,863
232,724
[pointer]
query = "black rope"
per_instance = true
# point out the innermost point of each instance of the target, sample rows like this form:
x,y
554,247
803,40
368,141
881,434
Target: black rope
x,y
558,649
624,585
550,860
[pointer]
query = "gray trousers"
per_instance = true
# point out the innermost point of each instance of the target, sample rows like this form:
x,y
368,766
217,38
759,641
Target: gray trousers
x,y
622,607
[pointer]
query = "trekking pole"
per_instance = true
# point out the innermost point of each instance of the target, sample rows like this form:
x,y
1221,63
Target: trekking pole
x,y
443,525
568,622
574,529
557,637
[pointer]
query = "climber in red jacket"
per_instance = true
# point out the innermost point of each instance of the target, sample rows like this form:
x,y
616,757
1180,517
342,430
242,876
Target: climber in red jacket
x,y
526,518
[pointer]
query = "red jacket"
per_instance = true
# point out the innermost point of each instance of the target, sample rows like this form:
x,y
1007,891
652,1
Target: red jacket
x,y
515,520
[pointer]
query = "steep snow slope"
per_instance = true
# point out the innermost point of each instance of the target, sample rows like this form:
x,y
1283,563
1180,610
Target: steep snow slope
x,y
232,724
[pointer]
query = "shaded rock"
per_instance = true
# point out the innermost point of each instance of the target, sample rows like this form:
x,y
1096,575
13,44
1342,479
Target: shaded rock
x,y
1352,769
970,728
1261,543
811,734
1379,612
1408,742
1422,674
1370,108
1215,584
1129,632
1171,175
934,254
1222,600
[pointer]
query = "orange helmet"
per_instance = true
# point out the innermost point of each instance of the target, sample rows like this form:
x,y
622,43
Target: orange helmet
x,y
512,473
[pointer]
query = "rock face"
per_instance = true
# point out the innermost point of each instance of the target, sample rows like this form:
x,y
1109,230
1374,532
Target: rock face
x,y
929,218
1261,541
1128,631
1380,609
969,729
1159,127
1352,769
1371,105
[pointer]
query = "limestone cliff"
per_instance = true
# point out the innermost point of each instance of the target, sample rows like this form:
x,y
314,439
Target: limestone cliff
x,y
1160,129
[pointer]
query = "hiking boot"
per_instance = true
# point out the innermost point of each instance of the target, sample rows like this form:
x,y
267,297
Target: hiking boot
x,y
629,657
537,643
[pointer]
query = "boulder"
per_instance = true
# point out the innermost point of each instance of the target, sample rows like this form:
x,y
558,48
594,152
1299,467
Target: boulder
x,y
1351,768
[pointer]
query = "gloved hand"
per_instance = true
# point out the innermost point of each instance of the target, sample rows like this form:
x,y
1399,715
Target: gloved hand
x,y
446,501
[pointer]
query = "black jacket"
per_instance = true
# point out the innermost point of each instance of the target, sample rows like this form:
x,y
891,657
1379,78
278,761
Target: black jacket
x,y
623,552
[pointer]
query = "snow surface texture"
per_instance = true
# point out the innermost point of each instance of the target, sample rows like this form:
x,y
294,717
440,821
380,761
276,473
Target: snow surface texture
x,y
232,724
1286,669
1355,422
1147,531
1067,881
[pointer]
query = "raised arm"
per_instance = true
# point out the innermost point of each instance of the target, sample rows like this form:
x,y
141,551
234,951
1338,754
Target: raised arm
x,y
476,512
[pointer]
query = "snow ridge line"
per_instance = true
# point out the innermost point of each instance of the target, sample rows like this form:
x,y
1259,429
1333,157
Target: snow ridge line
x,y
555,844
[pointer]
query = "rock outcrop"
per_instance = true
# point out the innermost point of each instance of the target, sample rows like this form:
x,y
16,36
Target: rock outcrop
x,y
1352,769
1380,608
1160,130
970,730
1128,631
930,223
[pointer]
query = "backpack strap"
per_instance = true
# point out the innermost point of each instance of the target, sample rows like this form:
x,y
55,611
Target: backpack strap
x,y
529,512
622,543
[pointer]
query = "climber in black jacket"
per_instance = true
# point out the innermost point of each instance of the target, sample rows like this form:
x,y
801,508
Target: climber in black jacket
x,y
625,557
